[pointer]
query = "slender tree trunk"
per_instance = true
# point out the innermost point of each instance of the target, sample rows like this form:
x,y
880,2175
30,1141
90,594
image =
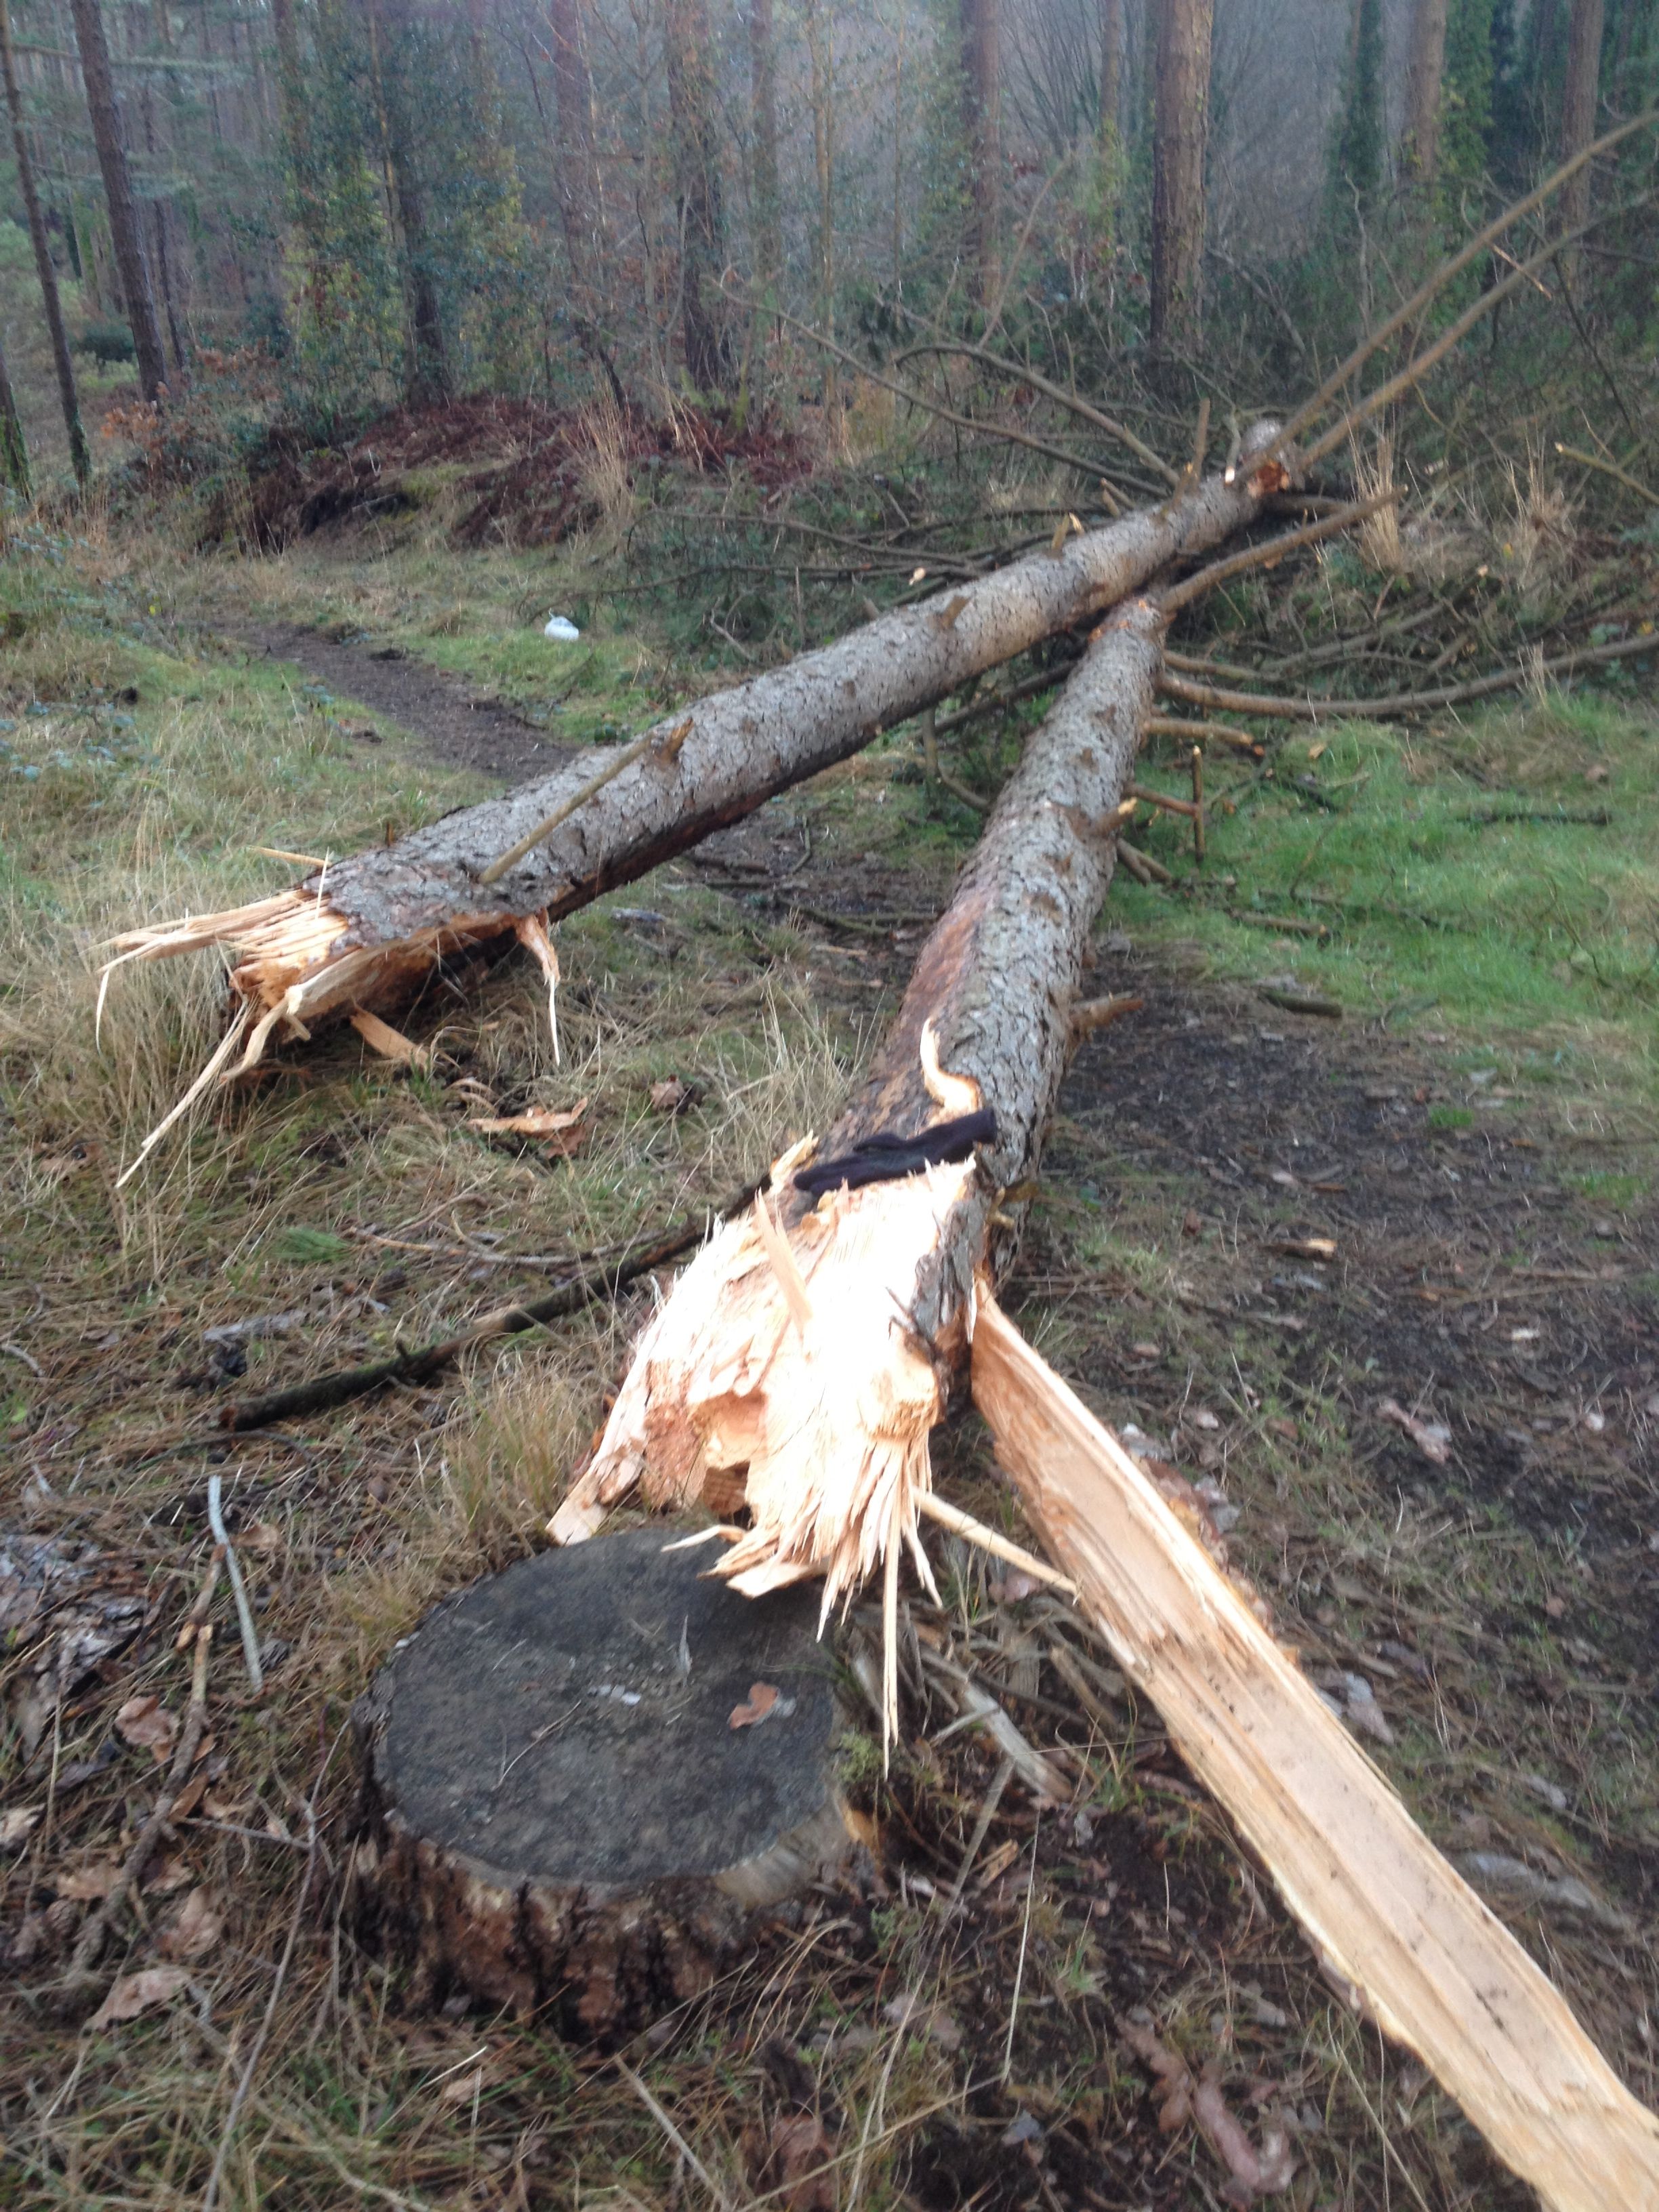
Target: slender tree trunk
x,y
159,145
125,231
1111,69
68,399
578,169
1181,128
427,381
820,47
898,152
701,214
763,132
13,454
1424,67
982,128
1579,101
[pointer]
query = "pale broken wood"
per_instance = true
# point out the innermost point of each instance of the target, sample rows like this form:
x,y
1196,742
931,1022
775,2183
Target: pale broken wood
x,y
1426,1958
805,1386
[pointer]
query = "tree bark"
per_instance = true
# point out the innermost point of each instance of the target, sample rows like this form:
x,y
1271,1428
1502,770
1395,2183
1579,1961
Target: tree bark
x,y
1180,128
768,204
125,231
701,207
578,170
981,131
808,1351
426,377
14,453
369,935
1424,1956
1424,67
1579,102
1111,69
68,397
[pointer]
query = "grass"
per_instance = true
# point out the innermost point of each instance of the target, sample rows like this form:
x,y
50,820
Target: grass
x,y
1506,958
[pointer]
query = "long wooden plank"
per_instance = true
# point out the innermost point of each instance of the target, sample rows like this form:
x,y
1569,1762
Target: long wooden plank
x,y
1440,1973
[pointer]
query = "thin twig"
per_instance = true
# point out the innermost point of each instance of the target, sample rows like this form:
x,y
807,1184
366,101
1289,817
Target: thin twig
x,y
1399,703
1025,1938
1058,393
256,1673
1272,549
1315,406
988,1540
674,2134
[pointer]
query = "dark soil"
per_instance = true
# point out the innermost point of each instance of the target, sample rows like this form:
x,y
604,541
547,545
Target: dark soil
x,y
461,731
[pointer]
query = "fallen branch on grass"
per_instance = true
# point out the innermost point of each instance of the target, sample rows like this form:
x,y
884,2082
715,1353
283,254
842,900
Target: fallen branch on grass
x,y
324,1392
1421,1952
1400,704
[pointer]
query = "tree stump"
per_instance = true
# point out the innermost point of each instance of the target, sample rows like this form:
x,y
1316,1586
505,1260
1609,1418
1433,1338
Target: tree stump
x,y
558,1809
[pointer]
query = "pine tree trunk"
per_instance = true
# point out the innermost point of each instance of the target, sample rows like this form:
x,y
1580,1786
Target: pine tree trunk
x,y
1424,67
763,131
1180,127
981,129
701,213
69,397
369,936
125,231
1111,69
577,178
1579,102
13,454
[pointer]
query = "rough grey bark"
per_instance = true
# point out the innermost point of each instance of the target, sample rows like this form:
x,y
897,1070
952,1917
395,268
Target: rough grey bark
x,y
999,974
741,747
125,231
688,51
45,272
981,131
766,201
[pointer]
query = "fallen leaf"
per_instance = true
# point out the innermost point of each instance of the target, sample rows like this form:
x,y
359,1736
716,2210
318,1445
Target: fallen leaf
x,y
132,1994
145,1720
671,1096
801,2151
83,1884
761,1698
462,2088
17,1826
171,1875
189,1797
1304,1248
197,1929
558,1128
1431,1438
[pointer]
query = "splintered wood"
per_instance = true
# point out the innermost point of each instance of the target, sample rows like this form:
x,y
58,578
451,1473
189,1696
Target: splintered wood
x,y
1422,1953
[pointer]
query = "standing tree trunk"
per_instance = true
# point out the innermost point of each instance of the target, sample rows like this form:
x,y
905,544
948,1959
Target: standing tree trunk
x,y
125,231
767,203
981,130
1424,67
13,454
821,53
426,377
68,399
1111,71
1579,101
698,190
1180,128
577,174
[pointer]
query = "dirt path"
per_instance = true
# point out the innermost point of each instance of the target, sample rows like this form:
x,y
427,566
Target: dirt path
x,y
461,730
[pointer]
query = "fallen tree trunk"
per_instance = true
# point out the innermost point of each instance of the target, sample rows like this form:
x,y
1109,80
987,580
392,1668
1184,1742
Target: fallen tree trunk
x,y
805,1354
364,932
1423,1955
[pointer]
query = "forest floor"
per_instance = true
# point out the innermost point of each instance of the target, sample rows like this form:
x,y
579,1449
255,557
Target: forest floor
x,y
1471,1577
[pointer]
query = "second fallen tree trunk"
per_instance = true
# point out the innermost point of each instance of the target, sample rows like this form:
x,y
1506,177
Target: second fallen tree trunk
x,y
804,1355
365,931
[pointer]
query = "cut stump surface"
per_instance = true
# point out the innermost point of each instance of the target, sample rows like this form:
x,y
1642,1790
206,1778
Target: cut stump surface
x,y
559,1810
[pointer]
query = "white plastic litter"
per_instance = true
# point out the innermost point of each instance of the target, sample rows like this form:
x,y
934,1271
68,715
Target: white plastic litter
x,y
562,627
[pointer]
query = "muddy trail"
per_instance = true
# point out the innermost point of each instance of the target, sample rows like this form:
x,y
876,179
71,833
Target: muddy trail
x,y
457,727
